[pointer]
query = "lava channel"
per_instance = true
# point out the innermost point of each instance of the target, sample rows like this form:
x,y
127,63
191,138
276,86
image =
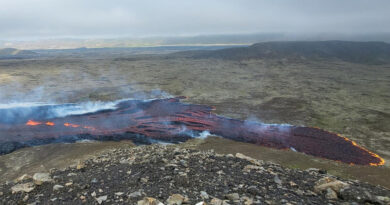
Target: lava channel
x,y
170,120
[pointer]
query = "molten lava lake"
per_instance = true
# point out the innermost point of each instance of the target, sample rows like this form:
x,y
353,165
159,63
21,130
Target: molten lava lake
x,y
164,120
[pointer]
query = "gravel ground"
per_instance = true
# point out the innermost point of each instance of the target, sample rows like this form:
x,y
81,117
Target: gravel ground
x,y
170,175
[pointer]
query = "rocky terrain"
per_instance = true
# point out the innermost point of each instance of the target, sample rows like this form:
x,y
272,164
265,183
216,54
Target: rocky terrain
x,y
343,95
167,174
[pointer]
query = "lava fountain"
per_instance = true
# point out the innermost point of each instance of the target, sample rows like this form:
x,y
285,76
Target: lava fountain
x,y
169,120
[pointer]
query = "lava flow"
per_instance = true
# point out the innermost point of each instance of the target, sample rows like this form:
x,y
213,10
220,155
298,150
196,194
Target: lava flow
x,y
170,120
35,123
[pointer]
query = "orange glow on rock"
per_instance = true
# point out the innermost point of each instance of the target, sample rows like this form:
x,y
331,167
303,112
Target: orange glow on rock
x,y
381,160
33,123
71,125
89,127
49,123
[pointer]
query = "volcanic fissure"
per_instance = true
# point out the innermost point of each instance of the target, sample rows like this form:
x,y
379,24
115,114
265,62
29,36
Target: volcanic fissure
x,y
169,120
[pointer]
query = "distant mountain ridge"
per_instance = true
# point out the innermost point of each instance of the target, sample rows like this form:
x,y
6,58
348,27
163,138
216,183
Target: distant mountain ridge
x,y
14,51
356,52
6,53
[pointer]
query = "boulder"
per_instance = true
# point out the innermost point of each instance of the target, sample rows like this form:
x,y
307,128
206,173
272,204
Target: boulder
x,y
233,196
26,187
216,201
40,178
57,187
23,177
135,194
250,167
383,199
327,182
330,194
277,180
250,159
80,166
100,199
149,201
176,199
204,195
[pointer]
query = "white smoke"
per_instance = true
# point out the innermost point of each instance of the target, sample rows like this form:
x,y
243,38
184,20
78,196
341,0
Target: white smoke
x,y
22,105
259,125
23,111
192,134
83,108
203,135
27,110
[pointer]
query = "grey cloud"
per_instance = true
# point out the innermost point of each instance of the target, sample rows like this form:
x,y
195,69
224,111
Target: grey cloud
x,y
128,18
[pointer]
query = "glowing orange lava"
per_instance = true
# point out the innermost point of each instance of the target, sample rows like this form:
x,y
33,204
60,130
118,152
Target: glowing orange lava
x,y
89,127
49,123
33,123
71,125
381,160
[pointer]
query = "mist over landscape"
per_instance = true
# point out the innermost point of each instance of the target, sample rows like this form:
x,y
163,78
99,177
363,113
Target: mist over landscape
x,y
194,102
72,24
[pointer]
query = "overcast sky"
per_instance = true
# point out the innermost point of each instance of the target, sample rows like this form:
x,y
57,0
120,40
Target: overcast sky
x,y
127,18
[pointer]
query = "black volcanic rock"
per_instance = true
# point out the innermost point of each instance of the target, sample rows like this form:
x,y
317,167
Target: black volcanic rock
x,y
126,176
356,52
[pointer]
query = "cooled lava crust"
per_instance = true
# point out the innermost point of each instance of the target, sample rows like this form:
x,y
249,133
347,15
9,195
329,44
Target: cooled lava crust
x,y
169,120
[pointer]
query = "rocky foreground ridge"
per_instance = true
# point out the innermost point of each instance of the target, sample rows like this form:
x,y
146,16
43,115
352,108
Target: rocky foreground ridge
x,y
158,174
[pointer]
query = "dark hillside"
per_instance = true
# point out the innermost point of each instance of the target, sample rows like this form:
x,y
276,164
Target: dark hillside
x,y
11,53
356,52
